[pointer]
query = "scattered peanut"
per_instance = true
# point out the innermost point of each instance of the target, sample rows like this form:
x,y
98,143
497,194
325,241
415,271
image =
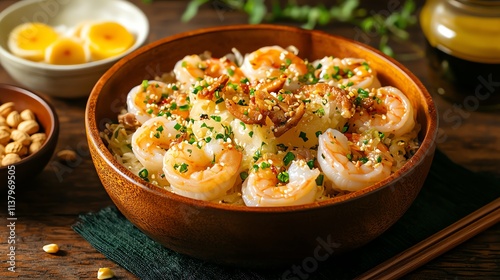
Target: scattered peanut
x,y
27,115
29,126
51,248
35,147
6,108
105,273
9,159
15,148
13,119
19,134
5,128
66,155
4,137
39,137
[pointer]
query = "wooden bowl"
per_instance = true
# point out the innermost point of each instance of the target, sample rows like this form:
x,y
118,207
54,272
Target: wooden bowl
x,y
239,235
46,117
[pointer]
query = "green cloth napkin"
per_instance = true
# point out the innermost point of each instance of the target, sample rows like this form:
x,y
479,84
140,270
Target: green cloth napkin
x,y
449,193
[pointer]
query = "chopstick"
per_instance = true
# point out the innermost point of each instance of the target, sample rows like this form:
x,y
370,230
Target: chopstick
x,y
436,244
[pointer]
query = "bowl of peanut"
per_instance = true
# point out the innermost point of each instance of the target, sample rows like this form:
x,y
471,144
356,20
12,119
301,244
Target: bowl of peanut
x,y
29,130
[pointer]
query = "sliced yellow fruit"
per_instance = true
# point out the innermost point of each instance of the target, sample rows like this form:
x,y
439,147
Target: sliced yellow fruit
x,y
66,51
30,40
107,39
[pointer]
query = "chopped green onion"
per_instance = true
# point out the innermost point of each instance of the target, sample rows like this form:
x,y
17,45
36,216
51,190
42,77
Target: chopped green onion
x,y
182,168
345,128
243,175
144,174
216,118
264,165
284,177
365,64
257,155
363,93
319,180
310,163
337,70
289,157
303,135
145,85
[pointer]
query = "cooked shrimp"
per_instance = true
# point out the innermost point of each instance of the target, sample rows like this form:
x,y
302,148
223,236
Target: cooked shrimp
x,y
386,109
273,62
153,98
348,165
152,140
205,172
270,183
347,72
193,68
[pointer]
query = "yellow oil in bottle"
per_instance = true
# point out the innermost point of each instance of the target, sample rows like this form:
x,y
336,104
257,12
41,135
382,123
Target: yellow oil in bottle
x,y
463,48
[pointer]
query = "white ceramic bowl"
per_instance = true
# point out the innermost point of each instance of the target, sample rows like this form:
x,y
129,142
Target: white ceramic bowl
x,y
66,81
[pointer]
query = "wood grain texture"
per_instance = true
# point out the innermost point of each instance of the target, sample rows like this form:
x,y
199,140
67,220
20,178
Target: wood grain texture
x,y
51,204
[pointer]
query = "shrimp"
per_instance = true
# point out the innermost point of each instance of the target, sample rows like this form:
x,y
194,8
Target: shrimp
x,y
193,68
153,98
205,172
386,110
270,183
349,165
272,62
151,140
347,72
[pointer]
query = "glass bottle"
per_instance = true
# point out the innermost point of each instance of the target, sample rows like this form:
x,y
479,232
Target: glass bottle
x,y
463,47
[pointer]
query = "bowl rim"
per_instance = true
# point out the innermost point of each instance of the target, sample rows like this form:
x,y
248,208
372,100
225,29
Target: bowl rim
x,y
52,135
427,144
140,39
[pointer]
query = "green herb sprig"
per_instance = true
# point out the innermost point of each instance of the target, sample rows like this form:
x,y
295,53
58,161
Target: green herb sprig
x,y
384,26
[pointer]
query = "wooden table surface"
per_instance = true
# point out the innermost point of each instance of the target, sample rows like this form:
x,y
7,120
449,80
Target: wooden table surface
x,y
51,205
